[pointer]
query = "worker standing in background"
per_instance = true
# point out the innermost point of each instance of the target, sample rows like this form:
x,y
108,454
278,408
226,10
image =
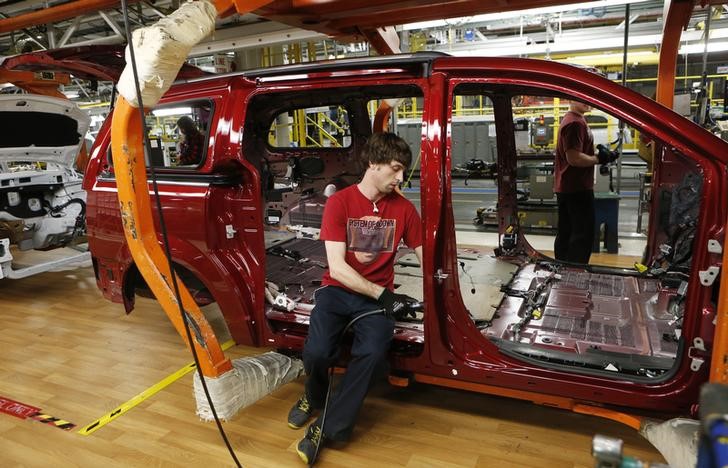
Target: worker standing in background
x,y
192,144
574,163
361,229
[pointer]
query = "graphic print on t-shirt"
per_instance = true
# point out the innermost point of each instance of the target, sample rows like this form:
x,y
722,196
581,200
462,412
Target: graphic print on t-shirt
x,y
367,236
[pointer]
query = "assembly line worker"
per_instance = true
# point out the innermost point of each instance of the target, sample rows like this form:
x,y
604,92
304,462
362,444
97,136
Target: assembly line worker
x,y
362,227
191,145
574,163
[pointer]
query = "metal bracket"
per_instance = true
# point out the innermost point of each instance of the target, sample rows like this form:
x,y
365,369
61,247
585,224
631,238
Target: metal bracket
x,y
440,276
696,361
230,231
707,277
714,246
283,302
698,343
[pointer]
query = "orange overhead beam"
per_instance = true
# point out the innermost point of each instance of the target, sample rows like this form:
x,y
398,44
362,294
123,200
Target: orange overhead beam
x,y
350,17
141,237
56,13
332,17
228,7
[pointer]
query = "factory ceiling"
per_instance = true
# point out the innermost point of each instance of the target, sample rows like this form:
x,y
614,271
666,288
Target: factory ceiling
x,y
536,28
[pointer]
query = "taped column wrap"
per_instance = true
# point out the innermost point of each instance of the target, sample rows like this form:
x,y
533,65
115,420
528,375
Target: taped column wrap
x,y
161,49
251,379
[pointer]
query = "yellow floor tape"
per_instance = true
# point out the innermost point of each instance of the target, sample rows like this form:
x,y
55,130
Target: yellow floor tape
x,y
124,407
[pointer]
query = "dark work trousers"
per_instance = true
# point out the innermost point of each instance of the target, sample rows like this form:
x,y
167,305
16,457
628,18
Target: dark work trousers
x,y
335,308
576,226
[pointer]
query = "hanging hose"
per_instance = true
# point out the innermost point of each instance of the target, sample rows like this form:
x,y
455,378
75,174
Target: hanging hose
x,y
185,317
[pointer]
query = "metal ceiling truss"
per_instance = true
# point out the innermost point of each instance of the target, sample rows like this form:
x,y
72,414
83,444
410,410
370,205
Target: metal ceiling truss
x,y
550,32
77,23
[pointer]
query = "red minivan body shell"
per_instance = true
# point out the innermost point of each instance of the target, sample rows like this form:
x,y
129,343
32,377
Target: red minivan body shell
x,y
196,210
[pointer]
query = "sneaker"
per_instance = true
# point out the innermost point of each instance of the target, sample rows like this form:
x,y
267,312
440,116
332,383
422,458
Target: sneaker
x,y
299,414
310,446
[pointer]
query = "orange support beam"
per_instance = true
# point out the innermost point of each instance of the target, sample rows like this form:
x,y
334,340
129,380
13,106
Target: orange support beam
x,y
719,360
141,237
384,40
382,117
36,83
676,20
130,170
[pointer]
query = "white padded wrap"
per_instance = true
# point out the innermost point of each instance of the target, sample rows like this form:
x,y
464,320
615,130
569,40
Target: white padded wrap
x,y
161,49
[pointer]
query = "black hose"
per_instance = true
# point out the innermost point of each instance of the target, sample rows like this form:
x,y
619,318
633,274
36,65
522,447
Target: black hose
x,y
55,209
165,238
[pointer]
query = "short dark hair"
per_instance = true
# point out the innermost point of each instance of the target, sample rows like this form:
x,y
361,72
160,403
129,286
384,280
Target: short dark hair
x,y
186,124
383,148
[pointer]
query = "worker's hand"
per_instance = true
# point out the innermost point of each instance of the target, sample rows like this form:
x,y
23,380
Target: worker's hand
x,y
605,155
397,306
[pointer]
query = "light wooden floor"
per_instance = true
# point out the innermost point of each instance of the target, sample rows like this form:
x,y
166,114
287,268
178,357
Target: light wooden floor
x,y
76,356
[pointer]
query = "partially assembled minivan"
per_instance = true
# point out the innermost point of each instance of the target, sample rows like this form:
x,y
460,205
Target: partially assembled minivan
x,y
243,227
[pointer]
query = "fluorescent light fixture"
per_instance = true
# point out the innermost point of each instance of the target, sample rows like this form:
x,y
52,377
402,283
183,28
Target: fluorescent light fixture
x,y
641,53
561,45
515,14
166,112
719,33
699,48
642,56
570,42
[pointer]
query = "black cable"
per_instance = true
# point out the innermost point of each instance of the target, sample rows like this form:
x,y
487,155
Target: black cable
x,y
472,283
165,239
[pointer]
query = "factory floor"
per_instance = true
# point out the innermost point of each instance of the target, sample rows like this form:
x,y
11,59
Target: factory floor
x,y
79,359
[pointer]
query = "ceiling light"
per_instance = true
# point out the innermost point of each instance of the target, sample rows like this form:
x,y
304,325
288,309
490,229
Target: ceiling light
x,y
516,14
698,48
172,111
642,56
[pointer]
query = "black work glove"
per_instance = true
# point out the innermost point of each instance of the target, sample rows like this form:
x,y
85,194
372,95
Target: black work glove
x,y
397,306
605,155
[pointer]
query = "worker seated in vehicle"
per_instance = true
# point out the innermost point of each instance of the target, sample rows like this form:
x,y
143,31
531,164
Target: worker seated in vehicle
x,y
192,143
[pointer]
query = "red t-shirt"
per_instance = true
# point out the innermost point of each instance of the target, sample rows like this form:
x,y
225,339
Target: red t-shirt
x,y
574,133
371,237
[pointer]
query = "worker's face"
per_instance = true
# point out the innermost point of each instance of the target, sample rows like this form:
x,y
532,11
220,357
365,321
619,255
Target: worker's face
x,y
387,177
580,107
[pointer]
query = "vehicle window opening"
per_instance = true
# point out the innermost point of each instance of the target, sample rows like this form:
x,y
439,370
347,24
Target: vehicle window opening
x,y
179,134
168,126
597,319
305,147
